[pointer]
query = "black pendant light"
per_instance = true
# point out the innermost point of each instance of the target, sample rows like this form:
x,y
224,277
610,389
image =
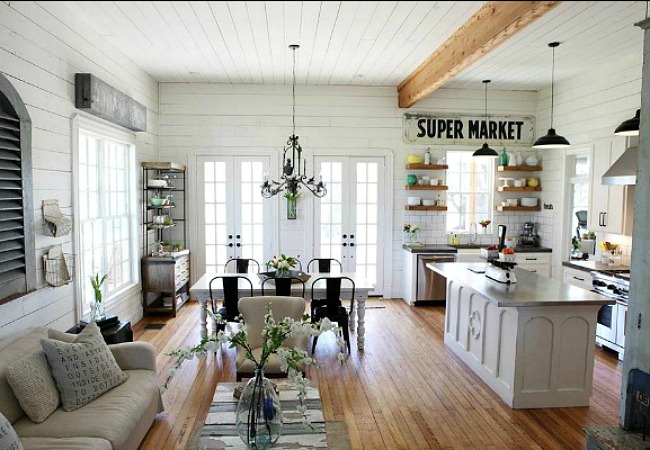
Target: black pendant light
x,y
552,139
485,150
629,127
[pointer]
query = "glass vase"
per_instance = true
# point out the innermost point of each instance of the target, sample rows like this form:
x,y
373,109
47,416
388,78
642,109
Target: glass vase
x,y
259,415
292,209
97,311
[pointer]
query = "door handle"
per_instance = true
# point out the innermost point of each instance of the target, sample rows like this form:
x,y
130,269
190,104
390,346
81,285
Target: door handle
x,y
238,244
230,245
352,244
344,244
230,236
605,219
344,236
352,236
238,236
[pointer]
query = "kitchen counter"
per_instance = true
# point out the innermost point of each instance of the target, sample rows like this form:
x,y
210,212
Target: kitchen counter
x,y
429,248
588,266
453,248
531,342
530,289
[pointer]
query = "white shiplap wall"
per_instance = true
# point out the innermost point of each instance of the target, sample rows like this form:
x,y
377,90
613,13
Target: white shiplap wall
x,y
42,46
204,118
587,107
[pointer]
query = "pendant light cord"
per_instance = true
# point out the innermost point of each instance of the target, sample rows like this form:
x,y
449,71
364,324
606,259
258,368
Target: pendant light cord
x,y
552,85
294,91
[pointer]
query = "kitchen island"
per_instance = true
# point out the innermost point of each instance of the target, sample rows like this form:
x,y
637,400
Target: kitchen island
x,y
532,342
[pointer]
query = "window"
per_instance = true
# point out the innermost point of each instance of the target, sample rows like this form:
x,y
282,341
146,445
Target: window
x,y
579,189
469,198
106,210
17,261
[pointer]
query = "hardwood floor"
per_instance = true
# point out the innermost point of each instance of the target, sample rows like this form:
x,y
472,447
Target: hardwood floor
x,y
406,391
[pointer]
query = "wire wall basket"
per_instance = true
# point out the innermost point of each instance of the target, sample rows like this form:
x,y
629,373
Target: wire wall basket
x,y
59,271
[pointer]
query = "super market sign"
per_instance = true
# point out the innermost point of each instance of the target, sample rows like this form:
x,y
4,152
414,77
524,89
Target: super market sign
x,y
424,128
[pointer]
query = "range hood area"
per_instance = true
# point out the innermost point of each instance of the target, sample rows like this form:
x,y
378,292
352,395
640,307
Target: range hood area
x,y
623,171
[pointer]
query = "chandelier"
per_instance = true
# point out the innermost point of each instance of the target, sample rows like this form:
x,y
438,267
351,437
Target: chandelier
x,y
293,177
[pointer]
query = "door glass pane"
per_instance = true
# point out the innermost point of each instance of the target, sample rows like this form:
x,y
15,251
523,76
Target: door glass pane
x,y
214,214
252,212
331,211
365,248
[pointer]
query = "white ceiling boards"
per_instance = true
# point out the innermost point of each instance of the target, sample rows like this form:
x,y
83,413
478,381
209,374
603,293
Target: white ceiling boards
x,y
376,43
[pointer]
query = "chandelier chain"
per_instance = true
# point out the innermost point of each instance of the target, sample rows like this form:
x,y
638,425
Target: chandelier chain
x,y
294,91
552,85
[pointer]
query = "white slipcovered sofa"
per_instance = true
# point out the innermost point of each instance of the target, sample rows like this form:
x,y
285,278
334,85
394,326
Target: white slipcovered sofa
x,y
117,420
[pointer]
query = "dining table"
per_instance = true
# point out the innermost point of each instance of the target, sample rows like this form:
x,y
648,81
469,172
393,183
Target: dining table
x,y
201,291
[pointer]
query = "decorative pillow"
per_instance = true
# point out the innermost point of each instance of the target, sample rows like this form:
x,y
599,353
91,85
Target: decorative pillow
x,y
8,437
83,370
31,381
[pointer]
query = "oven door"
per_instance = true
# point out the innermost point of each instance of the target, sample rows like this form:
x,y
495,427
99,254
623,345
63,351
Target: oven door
x,y
607,323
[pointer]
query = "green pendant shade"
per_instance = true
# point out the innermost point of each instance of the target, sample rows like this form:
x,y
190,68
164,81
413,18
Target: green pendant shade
x,y
629,127
486,151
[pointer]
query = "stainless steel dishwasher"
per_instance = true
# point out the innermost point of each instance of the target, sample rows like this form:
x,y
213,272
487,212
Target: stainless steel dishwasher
x,y
431,285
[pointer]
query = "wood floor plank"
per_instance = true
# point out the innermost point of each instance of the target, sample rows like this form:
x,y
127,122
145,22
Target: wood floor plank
x,y
406,391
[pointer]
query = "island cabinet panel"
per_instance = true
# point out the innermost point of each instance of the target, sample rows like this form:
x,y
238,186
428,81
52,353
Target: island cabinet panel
x,y
532,353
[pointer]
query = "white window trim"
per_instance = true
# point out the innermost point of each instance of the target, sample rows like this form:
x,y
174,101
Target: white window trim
x,y
490,194
93,126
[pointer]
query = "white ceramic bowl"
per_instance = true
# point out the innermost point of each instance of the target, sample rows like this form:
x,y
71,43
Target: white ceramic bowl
x,y
529,201
532,161
512,201
504,203
413,201
428,202
157,183
518,183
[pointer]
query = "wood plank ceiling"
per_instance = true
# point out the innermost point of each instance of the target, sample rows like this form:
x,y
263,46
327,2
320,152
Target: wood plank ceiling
x,y
351,43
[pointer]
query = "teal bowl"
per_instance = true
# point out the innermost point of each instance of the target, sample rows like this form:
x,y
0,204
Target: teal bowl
x,y
158,201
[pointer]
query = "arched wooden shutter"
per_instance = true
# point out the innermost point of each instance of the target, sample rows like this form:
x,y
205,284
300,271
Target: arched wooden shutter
x,y
17,255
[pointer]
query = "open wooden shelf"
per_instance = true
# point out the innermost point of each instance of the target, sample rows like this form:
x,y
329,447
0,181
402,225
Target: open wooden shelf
x,y
425,208
518,189
417,187
423,166
519,168
519,208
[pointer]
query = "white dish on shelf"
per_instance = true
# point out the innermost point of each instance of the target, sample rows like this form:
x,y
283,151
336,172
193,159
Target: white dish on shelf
x,y
157,183
529,201
531,161
428,202
512,201
413,201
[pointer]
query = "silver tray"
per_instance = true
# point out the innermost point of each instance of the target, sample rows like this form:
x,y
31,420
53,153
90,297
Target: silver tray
x,y
292,273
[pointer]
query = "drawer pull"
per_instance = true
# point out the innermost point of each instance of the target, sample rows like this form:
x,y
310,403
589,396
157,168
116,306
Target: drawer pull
x,y
579,279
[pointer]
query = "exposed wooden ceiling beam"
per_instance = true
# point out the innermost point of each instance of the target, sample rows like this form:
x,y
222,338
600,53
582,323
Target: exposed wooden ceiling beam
x,y
493,24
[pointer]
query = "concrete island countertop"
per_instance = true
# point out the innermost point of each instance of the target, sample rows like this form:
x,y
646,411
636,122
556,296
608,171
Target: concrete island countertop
x,y
530,290
588,266
448,248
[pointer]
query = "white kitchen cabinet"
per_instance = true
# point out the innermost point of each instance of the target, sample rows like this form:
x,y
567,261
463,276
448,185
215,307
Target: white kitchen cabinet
x,y
539,263
575,277
607,211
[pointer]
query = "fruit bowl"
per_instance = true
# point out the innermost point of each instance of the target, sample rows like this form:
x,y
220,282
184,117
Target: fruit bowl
x,y
414,159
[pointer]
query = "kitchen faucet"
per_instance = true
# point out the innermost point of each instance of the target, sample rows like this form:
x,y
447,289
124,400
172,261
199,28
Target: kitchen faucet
x,y
473,234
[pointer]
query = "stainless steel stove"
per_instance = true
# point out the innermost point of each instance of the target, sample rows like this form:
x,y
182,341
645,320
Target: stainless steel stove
x,y
612,283
610,328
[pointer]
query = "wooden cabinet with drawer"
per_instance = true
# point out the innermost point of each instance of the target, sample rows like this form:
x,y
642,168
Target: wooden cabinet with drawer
x,y
165,283
576,277
539,263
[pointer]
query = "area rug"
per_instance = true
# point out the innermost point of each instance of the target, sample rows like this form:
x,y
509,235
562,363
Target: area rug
x,y
219,431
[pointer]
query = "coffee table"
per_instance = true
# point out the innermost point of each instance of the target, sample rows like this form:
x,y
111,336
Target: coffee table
x,y
219,431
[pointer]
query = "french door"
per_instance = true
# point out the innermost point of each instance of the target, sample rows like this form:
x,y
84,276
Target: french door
x,y
232,210
349,223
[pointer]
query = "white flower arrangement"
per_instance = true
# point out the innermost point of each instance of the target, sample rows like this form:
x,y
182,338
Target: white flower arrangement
x,y
274,333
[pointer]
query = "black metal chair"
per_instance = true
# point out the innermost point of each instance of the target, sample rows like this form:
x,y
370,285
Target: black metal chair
x,y
324,264
283,286
243,265
332,306
582,221
231,296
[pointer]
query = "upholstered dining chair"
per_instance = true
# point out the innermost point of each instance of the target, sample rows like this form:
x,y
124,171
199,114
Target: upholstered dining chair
x,y
253,310
332,305
283,285
231,295
324,264
242,265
